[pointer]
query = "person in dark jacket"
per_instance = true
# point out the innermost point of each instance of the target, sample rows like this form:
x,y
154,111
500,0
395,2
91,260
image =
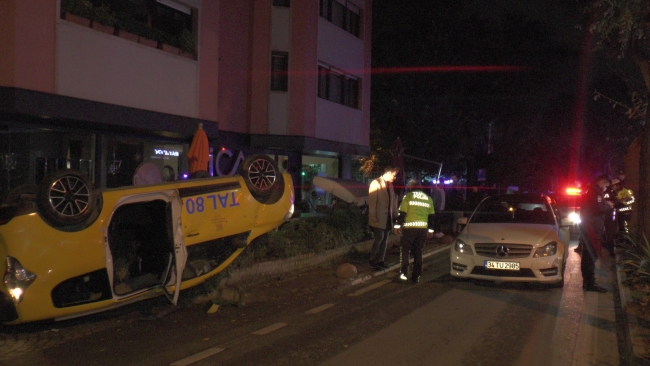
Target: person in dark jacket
x,y
454,203
416,217
593,209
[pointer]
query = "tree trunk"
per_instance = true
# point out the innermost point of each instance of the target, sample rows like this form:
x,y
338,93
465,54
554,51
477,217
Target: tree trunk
x,y
643,198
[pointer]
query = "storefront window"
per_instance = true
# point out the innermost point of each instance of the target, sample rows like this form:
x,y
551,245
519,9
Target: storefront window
x,y
125,157
317,166
27,155
167,157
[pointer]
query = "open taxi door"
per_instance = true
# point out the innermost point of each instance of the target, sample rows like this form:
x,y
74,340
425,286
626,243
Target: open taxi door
x,y
175,272
144,246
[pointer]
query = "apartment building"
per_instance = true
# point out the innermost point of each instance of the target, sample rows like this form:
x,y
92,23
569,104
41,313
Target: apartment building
x,y
104,85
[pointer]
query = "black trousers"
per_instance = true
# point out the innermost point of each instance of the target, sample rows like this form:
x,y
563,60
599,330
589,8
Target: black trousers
x,y
590,235
412,243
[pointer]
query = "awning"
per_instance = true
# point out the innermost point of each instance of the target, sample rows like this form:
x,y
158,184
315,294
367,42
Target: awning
x,y
348,190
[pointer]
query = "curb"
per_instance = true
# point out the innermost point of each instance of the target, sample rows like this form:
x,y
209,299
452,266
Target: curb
x,y
636,350
368,277
296,263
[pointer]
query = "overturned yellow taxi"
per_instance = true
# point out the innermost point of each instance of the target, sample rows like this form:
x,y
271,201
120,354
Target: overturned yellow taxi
x,y
69,250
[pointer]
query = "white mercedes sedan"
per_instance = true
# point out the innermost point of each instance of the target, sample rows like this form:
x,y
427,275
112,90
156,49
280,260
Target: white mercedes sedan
x,y
512,237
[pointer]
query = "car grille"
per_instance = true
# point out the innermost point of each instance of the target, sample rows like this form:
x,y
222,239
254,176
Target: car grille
x,y
524,272
503,251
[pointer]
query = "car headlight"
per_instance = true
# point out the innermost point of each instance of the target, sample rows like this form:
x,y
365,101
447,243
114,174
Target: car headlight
x,y
461,247
289,213
574,217
546,251
17,279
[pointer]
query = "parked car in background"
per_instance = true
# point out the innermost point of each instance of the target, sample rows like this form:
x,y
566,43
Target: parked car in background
x,y
69,249
512,237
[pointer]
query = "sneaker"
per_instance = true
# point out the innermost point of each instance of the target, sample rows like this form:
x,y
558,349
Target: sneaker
x,y
382,265
403,277
415,279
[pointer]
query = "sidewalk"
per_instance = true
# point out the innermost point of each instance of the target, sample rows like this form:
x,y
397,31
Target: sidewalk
x,y
637,326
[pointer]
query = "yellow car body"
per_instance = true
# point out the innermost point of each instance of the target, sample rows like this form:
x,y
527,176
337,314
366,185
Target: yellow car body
x,y
142,242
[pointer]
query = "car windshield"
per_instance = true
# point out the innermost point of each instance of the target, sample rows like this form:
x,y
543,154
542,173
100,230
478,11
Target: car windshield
x,y
522,209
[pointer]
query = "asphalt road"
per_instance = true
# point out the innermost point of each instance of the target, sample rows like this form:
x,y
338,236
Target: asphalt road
x,y
313,319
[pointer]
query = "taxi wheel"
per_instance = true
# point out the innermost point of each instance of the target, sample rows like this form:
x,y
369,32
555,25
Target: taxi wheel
x,y
68,198
263,178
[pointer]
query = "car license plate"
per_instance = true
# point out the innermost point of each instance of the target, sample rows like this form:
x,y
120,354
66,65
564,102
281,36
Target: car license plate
x,y
510,266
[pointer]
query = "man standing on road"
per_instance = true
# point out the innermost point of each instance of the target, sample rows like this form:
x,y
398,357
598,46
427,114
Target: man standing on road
x,y
593,210
438,196
416,216
382,210
455,203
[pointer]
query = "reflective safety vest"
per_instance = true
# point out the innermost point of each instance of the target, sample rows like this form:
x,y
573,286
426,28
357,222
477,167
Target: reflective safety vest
x,y
626,198
415,210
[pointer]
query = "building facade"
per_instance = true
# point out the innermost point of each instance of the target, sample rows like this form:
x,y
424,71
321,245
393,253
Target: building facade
x,y
103,86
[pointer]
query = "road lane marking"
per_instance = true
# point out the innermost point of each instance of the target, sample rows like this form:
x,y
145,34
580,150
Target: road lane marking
x,y
197,357
319,309
270,328
369,288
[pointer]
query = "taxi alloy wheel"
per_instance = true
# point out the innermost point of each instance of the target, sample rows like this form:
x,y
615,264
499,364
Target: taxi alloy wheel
x,y
263,178
67,198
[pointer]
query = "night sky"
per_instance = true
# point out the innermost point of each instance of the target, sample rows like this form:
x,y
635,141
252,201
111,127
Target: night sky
x,y
544,123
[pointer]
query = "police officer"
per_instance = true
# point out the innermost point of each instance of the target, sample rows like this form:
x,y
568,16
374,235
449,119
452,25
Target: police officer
x,y
593,209
623,205
416,217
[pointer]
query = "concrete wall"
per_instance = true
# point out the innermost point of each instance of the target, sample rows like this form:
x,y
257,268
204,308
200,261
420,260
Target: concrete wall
x,y
27,44
105,68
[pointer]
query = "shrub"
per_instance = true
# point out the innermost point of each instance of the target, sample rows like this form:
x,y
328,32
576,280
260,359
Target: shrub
x,y
636,260
345,224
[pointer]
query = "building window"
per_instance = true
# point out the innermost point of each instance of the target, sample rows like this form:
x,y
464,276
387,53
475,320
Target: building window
x,y
338,87
279,71
343,14
163,21
282,3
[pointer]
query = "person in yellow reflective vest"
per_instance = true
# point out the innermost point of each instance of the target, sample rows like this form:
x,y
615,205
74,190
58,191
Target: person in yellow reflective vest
x,y
415,224
623,205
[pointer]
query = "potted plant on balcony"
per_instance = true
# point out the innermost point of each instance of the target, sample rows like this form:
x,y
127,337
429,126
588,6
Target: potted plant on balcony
x,y
169,44
104,20
77,11
127,28
187,44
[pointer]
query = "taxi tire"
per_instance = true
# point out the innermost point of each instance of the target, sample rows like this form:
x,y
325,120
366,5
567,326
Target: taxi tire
x,y
263,178
56,193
